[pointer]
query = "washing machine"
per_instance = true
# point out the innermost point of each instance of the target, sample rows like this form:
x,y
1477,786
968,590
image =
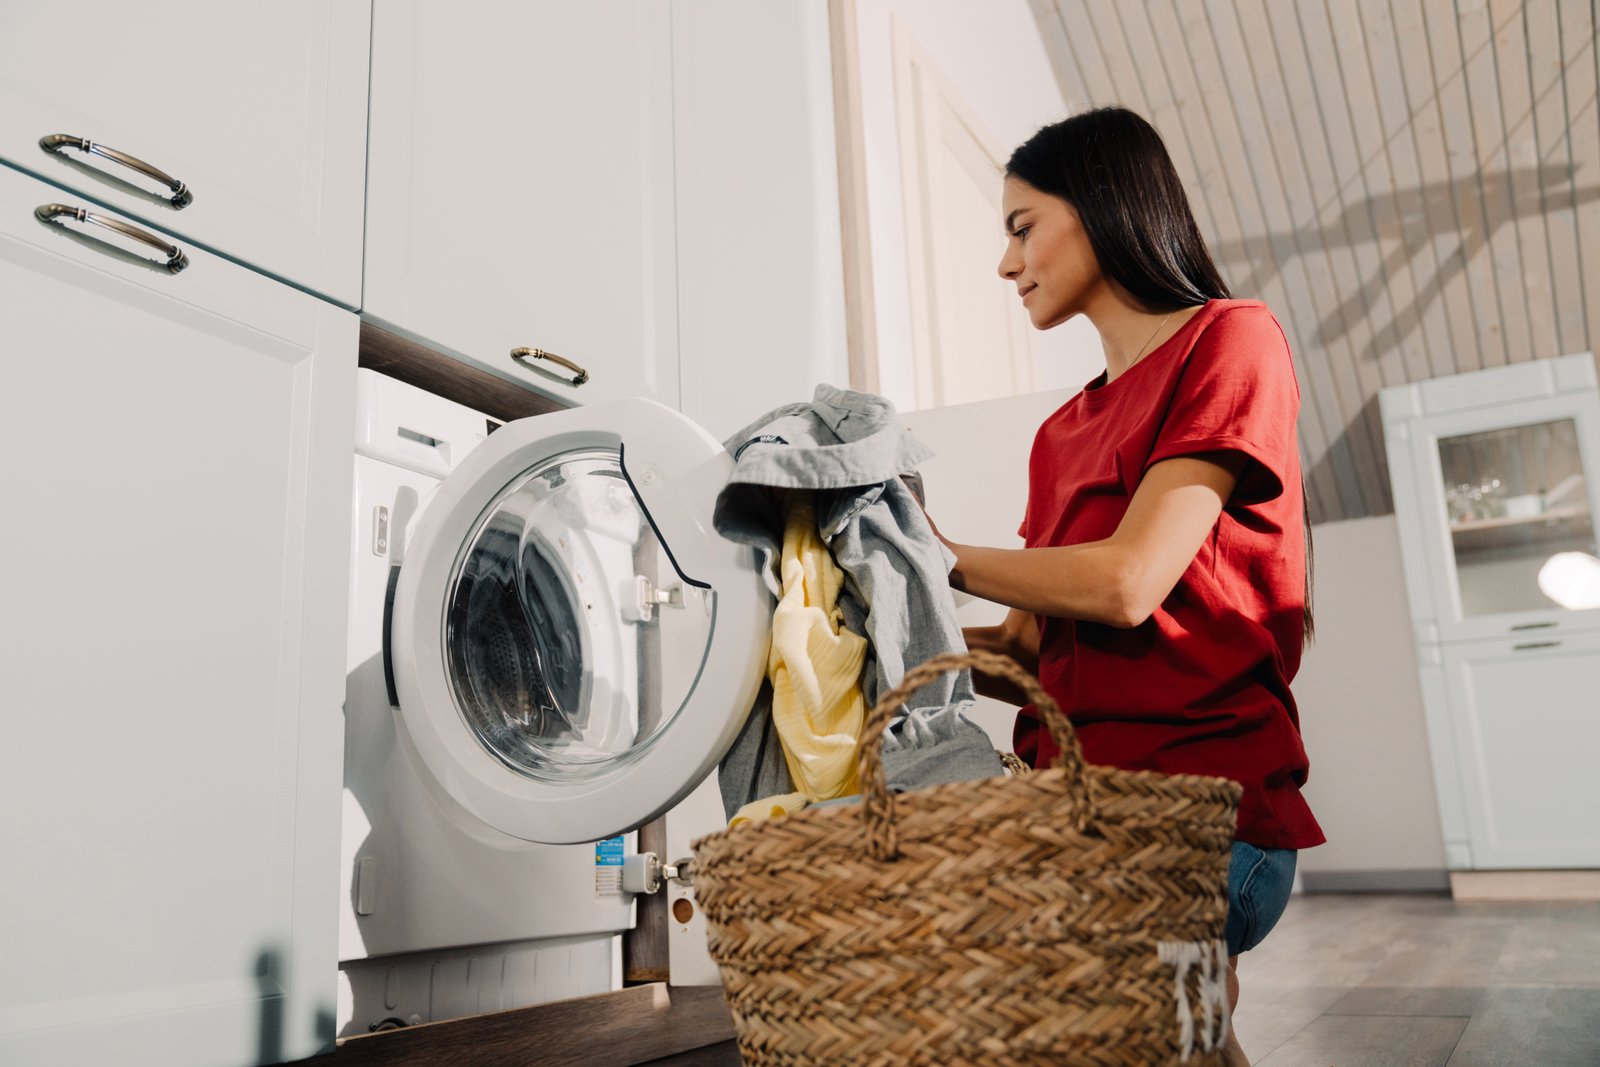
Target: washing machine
x,y
549,646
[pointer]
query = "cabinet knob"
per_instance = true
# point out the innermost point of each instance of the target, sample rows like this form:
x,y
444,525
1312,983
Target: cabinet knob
x,y
181,197
579,375
176,260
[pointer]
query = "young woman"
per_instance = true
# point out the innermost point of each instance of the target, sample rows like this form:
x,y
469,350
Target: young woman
x,y
1163,596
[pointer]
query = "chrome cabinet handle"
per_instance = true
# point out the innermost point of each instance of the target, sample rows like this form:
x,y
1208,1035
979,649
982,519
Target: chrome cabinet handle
x,y
181,197
1529,645
176,260
579,375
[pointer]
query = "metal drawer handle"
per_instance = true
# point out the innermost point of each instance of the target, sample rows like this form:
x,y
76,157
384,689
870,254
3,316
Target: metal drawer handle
x,y
579,375
1534,626
176,260
1535,644
181,197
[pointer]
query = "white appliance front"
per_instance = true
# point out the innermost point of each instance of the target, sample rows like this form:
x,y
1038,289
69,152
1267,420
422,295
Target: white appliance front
x,y
566,646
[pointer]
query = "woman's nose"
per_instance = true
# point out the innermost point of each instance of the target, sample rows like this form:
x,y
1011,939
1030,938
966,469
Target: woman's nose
x,y
1009,264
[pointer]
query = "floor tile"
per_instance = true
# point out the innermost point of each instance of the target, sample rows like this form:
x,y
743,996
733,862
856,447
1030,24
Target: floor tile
x,y
1369,1041
1536,1027
1408,1000
1552,944
1269,1016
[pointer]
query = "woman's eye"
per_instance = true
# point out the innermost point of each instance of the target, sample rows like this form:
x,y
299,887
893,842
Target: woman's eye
x,y
1020,232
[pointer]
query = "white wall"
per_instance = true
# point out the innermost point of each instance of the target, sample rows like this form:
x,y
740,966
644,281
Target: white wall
x,y
992,55
977,488
1371,783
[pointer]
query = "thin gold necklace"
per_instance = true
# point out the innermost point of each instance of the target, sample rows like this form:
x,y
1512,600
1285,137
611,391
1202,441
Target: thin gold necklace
x,y
1152,337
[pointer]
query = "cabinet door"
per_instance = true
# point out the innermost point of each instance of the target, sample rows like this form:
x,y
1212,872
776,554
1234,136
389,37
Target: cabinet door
x,y
1527,726
521,189
258,109
172,565
1496,500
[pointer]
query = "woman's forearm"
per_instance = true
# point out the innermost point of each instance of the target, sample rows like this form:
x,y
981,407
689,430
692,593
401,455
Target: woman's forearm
x,y
1075,582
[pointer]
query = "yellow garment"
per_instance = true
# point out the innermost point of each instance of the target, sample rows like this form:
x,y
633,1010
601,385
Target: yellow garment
x,y
815,663
770,808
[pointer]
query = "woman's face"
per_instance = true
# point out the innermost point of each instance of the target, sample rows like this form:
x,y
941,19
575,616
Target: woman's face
x,y
1047,254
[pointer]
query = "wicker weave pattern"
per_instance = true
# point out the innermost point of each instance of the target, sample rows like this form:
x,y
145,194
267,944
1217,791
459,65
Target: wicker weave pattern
x,y
1013,920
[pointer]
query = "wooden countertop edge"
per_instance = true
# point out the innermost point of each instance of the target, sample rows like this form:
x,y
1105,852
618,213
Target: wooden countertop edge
x,y
417,364
619,1029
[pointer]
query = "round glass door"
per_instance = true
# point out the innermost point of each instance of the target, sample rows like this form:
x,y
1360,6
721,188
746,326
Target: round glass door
x,y
570,642
573,645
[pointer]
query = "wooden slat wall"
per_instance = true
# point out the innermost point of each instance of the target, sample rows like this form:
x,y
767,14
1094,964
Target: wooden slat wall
x,y
1413,185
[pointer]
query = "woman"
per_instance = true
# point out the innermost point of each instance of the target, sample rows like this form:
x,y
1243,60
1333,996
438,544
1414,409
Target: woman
x,y
1163,596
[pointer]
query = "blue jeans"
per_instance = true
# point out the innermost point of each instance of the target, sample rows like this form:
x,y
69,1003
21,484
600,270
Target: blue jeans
x,y
1259,881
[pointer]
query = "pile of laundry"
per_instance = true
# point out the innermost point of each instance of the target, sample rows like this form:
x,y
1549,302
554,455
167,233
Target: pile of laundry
x,y
823,491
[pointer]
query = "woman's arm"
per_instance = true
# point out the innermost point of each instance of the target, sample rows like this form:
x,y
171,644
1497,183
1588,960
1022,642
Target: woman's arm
x,y
1017,637
1124,578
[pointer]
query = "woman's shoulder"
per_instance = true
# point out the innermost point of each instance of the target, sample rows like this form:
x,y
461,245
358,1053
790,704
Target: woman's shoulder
x,y
1245,314
1239,315
1231,323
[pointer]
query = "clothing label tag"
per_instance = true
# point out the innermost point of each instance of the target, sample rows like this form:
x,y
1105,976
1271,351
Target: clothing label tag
x,y
764,439
608,867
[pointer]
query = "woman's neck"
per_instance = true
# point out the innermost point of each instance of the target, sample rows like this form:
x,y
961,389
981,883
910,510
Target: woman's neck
x,y
1129,333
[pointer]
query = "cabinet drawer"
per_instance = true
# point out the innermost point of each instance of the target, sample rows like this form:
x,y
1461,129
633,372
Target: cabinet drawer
x,y
258,109
1526,726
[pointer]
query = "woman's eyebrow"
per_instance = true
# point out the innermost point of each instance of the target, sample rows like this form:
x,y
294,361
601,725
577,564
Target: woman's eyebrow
x,y
1011,219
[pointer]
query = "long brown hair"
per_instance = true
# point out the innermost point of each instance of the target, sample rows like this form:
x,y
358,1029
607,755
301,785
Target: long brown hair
x,y
1112,167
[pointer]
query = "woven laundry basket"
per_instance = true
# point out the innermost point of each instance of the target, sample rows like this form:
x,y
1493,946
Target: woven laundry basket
x,y
1067,916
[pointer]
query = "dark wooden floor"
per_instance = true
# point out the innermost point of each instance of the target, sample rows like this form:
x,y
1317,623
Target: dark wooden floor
x,y
1420,981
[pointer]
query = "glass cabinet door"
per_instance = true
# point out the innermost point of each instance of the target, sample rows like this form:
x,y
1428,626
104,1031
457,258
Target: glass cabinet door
x,y
1517,506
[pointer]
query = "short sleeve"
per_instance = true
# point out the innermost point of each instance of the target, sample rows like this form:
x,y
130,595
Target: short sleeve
x,y
1236,392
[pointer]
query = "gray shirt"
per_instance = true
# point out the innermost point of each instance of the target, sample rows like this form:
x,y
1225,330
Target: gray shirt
x,y
851,450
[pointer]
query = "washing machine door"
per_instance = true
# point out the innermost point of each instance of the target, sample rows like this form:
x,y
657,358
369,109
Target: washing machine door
x,y
573,646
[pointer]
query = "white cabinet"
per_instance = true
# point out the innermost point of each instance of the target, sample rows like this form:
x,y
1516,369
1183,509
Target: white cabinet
x,y
1496,492
760,269
172,565
521,189
1525,724
259,110
646,189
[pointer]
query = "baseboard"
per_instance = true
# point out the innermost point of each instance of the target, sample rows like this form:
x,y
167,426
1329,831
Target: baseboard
x,y
1525,885
1382,881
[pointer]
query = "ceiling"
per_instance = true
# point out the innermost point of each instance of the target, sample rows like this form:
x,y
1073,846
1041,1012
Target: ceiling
x,y
1412,185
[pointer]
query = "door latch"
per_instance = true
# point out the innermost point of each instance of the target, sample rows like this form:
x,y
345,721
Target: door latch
x,y
644,873
639,599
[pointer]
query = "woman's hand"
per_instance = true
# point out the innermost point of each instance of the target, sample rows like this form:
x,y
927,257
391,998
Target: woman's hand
x,y
1017,637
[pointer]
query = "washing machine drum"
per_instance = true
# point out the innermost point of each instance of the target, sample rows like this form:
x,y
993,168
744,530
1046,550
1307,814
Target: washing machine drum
x,y
573,646
511,634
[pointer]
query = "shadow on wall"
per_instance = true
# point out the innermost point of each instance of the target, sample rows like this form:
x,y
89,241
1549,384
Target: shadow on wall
x,y
1406,222
268,973
1334,471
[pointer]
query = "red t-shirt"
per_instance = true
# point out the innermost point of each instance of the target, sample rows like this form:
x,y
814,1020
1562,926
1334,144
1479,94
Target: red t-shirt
x,y
1202,686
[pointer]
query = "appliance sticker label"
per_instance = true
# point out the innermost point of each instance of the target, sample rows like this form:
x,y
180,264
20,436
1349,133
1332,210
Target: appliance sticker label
x,y
608,867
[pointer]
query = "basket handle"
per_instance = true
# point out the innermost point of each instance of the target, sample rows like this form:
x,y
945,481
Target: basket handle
x,y
878,803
